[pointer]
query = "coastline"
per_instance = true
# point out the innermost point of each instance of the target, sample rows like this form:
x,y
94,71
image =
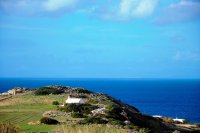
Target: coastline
x,y
102,110
162,94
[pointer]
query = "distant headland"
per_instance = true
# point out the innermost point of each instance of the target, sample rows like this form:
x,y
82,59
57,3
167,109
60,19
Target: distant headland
x,y
67,106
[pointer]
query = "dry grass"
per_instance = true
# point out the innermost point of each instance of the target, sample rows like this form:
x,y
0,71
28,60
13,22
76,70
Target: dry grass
x,y
194,126
8,128
32,99
88,129
23,109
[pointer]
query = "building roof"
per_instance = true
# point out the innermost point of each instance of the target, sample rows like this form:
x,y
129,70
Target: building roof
x,y
74,100
179,120
157,116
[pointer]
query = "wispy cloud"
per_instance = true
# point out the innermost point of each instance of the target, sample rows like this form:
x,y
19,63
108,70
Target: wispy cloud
x,y
187,55
107,9
185,10
177,39
40,7
127,9
135,8
55,5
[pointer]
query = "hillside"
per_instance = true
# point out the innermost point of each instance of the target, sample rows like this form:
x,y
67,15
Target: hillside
x,y
99,113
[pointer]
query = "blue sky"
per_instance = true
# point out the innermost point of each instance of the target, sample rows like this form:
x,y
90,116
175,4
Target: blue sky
x,y
100,39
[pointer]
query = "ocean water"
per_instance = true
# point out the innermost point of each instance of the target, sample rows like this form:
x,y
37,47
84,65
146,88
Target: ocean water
x,y
171,98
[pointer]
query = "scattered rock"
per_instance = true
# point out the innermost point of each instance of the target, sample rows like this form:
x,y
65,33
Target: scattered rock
x,y
56,113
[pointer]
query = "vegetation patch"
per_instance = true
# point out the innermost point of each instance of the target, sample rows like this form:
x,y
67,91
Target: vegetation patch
x,y
80,90
55,103
48,121
81,108
93,101
115,113
93,120
47,91
115,122
77,115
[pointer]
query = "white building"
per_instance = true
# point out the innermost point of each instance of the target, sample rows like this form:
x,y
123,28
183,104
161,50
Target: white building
x,y
75,100
157,116
179,120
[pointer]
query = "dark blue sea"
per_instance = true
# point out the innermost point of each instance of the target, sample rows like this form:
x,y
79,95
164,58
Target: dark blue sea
x,y
166,97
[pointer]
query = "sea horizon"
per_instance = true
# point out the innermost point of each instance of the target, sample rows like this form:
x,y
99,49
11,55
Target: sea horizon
x,y
165,78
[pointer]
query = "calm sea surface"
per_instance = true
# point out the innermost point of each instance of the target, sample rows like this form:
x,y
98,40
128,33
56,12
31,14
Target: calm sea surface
x,y
172,98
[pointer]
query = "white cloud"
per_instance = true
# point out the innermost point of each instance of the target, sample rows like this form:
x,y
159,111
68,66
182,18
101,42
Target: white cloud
x,y
128,9
140,8
39,7
185,10
22,6
55,5
108,9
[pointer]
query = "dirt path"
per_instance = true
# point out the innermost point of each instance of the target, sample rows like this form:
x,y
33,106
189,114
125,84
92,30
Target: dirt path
x,y
4,98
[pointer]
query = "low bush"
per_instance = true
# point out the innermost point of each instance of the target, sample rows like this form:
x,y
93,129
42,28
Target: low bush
x,y
80,90
109,107
94,120
49,121
55,103
81,108
77,115
115,113
131,126
186,121
100,115
47,91
93,101
115,122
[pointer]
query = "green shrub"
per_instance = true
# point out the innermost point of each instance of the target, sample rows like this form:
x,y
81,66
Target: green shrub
x,y
115,113
115,122
80,90
100,115
47,91
94,120
49,121
186,121
109,107
81,108
93,101
131,126
55,103
77,115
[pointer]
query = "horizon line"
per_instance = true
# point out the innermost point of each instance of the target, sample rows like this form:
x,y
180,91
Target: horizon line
x,y
95,78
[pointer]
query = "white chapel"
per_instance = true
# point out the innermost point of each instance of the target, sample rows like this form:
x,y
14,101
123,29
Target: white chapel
x,y
75,100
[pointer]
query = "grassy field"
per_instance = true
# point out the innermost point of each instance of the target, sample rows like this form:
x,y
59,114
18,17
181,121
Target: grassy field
x,y
25,111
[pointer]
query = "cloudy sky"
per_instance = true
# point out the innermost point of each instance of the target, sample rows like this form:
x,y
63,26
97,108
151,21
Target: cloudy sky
x,y
100,38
